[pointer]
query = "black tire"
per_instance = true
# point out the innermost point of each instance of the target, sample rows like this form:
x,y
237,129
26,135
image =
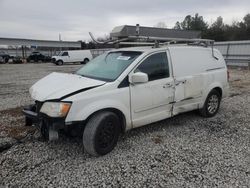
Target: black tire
x,y
211,105
85,61
28,122
59,62
45,130
101,133
6,60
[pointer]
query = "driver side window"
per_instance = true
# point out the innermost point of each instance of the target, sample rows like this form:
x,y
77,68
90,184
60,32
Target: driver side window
x,y
155,66
65,54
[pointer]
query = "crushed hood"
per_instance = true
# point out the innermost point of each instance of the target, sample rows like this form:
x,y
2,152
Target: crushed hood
x,y
58,85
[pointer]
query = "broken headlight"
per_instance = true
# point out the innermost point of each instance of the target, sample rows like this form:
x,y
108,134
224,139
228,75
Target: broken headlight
x,y
56,109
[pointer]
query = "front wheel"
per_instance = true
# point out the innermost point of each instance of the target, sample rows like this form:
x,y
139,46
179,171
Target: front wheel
x,y
211,105
101,133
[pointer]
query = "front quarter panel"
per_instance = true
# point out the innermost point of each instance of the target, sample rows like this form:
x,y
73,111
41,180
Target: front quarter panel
x,y
89,102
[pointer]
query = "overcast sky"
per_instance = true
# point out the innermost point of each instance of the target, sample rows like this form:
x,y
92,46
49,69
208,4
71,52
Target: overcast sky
x,y
45,19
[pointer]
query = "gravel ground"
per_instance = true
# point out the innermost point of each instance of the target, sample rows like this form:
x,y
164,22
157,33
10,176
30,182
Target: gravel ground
x,y
184,151
16,79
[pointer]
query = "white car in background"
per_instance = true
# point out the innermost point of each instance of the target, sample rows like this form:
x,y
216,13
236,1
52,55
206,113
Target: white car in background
x,y
72,56
128,88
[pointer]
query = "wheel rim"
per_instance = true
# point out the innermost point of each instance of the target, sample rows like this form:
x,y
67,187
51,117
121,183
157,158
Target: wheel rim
x,y
106,135
213,103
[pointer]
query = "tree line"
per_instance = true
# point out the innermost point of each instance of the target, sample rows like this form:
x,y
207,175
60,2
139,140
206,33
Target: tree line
x,y
218,30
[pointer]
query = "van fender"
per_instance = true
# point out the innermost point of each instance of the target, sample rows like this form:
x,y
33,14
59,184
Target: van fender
x,y
82,113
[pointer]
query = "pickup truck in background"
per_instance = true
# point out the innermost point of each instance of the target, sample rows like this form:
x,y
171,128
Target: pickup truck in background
x,y
38,57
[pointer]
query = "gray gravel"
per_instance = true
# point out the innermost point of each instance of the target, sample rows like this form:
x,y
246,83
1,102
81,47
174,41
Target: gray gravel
x,y
184,151
16,79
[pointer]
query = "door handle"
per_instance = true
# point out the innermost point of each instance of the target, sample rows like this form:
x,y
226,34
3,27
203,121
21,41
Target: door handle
x,y
178,82
167,85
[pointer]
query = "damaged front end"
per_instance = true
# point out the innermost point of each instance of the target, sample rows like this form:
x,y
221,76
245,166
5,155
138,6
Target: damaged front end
x,y
49,117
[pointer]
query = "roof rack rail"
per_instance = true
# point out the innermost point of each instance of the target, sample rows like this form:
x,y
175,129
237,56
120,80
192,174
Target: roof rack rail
x,y
155,41
144,40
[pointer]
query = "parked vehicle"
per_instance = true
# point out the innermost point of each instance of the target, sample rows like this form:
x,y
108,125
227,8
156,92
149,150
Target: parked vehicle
x,y
4,58
17,60
72,56
37,56
128,88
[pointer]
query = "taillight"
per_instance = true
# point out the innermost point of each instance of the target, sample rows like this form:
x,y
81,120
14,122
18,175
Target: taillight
x,y
228,75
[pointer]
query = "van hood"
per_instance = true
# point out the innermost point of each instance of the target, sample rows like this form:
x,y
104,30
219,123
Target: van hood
x,y
59,85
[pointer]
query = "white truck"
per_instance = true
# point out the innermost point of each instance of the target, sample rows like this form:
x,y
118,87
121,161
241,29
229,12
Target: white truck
x,y
128,88
72,56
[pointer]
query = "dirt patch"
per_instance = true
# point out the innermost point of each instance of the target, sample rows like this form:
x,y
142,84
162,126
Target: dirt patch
x,y
157,140
19,132
234,94
12,124
12,112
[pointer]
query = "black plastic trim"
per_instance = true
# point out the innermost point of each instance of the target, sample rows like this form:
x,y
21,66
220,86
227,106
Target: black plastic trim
x,y
124,83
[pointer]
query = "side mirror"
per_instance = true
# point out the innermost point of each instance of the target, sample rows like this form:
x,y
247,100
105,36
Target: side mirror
x,y
138,77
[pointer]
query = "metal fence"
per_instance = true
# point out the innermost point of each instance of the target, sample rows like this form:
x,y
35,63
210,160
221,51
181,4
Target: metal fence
x,y
236,53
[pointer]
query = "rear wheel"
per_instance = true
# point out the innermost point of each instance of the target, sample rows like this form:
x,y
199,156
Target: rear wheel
x,y
101,133
60,62
6,60
212,104
85,61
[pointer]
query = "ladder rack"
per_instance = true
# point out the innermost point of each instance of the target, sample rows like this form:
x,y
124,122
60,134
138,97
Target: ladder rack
x,y
156,42
153,41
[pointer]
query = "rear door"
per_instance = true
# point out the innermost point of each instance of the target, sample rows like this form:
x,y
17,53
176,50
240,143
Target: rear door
x,y
152,101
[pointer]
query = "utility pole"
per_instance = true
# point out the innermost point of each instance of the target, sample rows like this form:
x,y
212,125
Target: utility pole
x,y
60,41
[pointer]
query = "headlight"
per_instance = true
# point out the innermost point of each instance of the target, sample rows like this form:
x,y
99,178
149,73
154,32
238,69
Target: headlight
x,y
55,109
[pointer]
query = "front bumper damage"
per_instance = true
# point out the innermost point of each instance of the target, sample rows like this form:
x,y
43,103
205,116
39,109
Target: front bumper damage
x,y
48,126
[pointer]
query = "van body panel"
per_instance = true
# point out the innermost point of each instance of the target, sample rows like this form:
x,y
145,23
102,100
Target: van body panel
x,y
196,73
193,73
73,56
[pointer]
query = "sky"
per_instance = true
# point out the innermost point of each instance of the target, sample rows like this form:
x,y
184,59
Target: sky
x,y
73,19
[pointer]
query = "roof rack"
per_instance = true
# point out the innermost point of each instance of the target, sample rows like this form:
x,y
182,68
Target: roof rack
x,y
156,42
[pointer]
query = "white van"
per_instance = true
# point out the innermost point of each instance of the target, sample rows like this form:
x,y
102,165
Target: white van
x,y
128,88
72,56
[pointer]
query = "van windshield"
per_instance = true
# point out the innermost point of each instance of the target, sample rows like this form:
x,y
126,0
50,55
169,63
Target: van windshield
x,y
108,66
60,53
